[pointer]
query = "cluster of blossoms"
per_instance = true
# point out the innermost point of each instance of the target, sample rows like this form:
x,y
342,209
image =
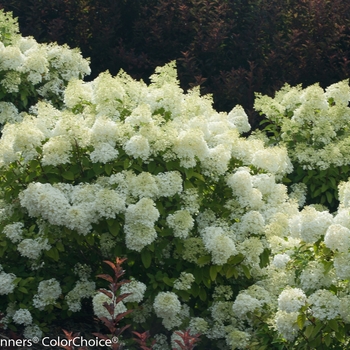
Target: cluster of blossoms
x,y
6,286
168,307
48,292
32,69
314,123
308,272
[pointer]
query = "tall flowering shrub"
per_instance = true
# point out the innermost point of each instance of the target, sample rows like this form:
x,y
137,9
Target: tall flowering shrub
x,y
30,71
313,124
144,172
304,295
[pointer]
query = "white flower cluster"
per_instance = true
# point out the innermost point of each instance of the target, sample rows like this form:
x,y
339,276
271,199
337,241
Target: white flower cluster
x,y
137,290
82,289
14,231
286,324
291,300
168,307
181,222
184,281
6,282
49,67
22,316
32,248
324,304
48,292
245,304
312,122
100,310
218,244
75,207
139,224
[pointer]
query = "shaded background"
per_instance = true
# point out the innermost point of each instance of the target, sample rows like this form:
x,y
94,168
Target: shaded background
x,y
230,48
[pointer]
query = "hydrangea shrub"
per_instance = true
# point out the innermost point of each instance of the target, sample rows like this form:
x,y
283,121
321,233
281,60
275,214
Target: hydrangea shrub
x,y
138,171
30,71
313,124
213,241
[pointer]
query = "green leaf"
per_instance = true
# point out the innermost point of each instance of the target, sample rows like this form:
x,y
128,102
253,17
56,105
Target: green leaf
x,y
98,170
126,163
308,331
114,228
318,327
207,282
60,246
195,290
68,175
168,281
301,321
231,271
33,165
108,169
333,182
53,253
246,271
213,273
202,294
329,196
264,258
90,239
23,290
333,324
235,260
146,258
324,187
189,173
203,260
327,340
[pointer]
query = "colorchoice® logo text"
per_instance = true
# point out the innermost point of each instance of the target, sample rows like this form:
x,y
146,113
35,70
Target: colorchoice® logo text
x,y
46,341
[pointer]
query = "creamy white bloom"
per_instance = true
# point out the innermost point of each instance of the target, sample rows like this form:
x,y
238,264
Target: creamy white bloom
x,y
281,260
291,300
239,118
22,316
181,222
237,338
14,232
6,282
286,324
82,289
32,248
245,304
324,304
48,292
31,331
104,153
138,147
218,244
337,238
57,151
184,281
169,183
314,224
341,265
137,290
313,276
168,307
139,224
100,310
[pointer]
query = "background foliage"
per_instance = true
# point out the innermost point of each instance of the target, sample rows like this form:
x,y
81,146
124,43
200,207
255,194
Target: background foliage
x,y
230,48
